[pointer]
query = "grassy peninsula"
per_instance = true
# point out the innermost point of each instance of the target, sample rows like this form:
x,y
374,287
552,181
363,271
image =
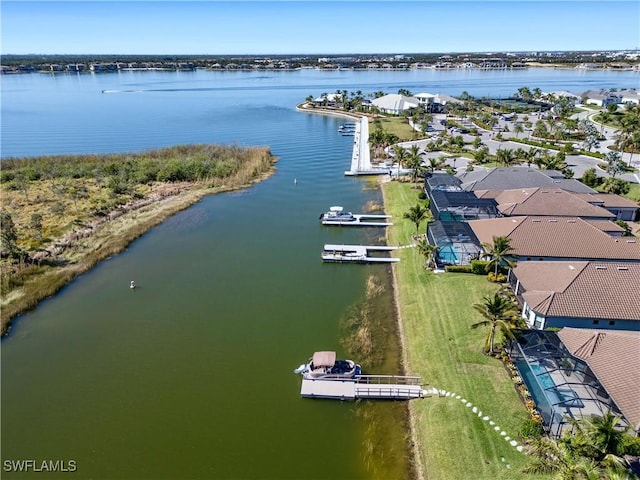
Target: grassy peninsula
x,y
435,317
63,214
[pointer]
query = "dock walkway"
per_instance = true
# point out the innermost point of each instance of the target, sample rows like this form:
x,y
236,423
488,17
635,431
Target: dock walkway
x,y
392,387
357,253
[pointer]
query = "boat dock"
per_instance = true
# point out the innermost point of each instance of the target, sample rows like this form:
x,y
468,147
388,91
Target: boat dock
x,y
392,387
356,253
360,156
360,220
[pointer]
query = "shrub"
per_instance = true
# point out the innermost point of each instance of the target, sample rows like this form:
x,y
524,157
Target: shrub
x,y
458,269
479,267
531,429
499,278
422,196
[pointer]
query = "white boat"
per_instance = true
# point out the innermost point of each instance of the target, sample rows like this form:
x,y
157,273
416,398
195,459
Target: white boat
x,y
337,215
325,366
357,254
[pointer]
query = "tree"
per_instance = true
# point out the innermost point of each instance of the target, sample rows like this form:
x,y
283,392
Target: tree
x,y
36,224
618,186
517,129
416,215
428,251
414,162
589,178
590,142
400,154
498,312
505,156
8,235
614,163
500,253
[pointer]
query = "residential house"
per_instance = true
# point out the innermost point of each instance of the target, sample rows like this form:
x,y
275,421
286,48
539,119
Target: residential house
x,y
561,294
559,238
535,202
614,358
508,178
622,208
456,242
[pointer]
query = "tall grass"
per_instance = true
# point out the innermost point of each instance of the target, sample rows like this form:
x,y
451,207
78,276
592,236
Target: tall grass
x,y
88,190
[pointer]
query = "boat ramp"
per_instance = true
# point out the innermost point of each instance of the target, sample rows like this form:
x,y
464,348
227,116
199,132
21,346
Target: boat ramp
x,y
357,253
393,387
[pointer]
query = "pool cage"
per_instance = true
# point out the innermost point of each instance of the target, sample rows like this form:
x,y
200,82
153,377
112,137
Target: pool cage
x,y
561,385
456,242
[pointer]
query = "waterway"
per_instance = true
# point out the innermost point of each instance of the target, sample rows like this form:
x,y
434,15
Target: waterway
x,y
190,375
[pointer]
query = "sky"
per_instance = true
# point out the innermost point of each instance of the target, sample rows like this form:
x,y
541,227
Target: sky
x,y
315,27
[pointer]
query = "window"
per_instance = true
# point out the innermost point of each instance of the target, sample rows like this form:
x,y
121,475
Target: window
x,y
596,322
612,322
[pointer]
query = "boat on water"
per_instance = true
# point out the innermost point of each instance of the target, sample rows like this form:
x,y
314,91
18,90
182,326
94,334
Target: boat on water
x,y
357,254
338,216
326,366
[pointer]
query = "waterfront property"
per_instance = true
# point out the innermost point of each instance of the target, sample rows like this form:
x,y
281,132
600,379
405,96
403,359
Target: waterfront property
x,y
560,384
507,178
559,294
558,238
456,242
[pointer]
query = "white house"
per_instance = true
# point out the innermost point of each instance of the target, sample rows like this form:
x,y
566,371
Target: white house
x,y
395,103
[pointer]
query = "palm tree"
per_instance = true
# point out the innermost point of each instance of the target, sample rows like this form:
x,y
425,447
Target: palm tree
x,y
500,253
428,251
498,312
504,156
401,155
517,129
414,161
416,215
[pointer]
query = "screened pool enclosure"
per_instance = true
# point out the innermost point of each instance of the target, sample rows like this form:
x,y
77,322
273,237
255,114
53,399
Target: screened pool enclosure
x,y
561,385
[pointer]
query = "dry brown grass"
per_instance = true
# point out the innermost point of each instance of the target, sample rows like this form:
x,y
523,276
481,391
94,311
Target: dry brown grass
x,y
74,237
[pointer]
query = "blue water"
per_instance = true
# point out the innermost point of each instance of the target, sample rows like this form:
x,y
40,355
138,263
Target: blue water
x,y
190,377
68,113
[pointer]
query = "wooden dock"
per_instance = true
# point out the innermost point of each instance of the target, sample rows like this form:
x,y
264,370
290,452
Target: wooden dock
x,y
391,387
356,253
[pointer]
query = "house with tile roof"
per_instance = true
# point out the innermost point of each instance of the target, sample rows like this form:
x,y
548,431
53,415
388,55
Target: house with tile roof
x,y
538,201
508,178
614,358
578,294
559,238
622,208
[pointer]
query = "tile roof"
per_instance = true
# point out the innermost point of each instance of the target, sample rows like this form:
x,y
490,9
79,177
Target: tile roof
x,y
507,178
558,237
591,290
614,357
548,201
607,200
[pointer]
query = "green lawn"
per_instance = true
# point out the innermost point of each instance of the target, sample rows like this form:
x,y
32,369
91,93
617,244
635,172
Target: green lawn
x,y
398,126
436,312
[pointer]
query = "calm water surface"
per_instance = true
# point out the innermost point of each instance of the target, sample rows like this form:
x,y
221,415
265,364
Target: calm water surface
x,y
190,376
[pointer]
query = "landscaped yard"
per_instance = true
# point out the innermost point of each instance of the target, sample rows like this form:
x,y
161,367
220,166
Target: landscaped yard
x,y
440,346
397,126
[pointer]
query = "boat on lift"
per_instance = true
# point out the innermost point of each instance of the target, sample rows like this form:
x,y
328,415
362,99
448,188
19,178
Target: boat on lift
x,y
326,366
